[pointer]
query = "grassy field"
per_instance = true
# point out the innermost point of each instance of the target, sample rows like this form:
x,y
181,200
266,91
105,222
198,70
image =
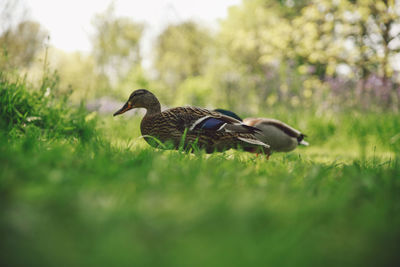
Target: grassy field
x,y
82,190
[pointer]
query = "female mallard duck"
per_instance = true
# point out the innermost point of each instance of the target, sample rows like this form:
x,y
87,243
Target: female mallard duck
x,y
280,136
206,129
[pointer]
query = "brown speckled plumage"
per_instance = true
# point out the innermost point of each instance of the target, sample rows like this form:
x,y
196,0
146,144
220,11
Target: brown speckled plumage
x,y
169,127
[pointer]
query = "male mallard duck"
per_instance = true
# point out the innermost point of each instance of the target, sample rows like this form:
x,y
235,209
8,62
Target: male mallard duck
x,y
280,136
208,130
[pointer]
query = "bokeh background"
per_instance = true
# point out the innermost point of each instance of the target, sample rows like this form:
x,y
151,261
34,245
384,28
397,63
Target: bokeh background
x,y
250,56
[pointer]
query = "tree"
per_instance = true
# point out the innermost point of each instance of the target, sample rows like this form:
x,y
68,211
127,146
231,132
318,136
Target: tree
x,y
181,51
116,46
12,12
254,41
76,70
20,39
20,45
378,39
297,49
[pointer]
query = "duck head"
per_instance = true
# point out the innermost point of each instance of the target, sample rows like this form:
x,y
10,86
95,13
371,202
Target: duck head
x,y
140,98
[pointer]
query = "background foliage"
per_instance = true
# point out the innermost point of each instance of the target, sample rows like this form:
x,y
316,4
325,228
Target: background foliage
x,y
322,55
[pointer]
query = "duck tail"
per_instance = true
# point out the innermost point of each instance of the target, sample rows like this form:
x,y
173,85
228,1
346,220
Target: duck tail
x,y
304,143
301,141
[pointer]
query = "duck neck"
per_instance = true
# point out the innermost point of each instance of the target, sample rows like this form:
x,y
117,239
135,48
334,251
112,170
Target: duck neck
x,y
153,107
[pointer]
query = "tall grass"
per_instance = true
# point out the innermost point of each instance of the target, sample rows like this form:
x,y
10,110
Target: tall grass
x,y
100,205
26,108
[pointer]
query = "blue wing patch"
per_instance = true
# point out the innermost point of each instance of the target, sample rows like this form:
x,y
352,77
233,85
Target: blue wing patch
x,y
211,124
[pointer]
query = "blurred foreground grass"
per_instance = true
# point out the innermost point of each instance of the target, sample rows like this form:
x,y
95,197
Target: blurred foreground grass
x,y
104,198
116,201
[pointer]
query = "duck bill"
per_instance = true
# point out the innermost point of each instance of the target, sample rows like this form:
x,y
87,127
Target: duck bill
x,y
124,109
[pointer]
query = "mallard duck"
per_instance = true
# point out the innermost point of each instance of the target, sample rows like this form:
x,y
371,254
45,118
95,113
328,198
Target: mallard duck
x,y
187,126
280,136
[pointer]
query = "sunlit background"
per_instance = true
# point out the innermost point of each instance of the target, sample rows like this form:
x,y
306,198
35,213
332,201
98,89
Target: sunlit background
x,y
69,23
250,55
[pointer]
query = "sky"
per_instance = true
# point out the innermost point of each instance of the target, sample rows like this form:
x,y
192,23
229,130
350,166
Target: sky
x,y
69,21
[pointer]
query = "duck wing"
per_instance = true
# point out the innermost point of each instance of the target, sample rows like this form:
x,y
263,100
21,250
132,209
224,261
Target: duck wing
x,y
259,122
198,119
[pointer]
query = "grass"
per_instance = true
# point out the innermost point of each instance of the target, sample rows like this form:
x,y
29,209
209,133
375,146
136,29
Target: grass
x,y
106,198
